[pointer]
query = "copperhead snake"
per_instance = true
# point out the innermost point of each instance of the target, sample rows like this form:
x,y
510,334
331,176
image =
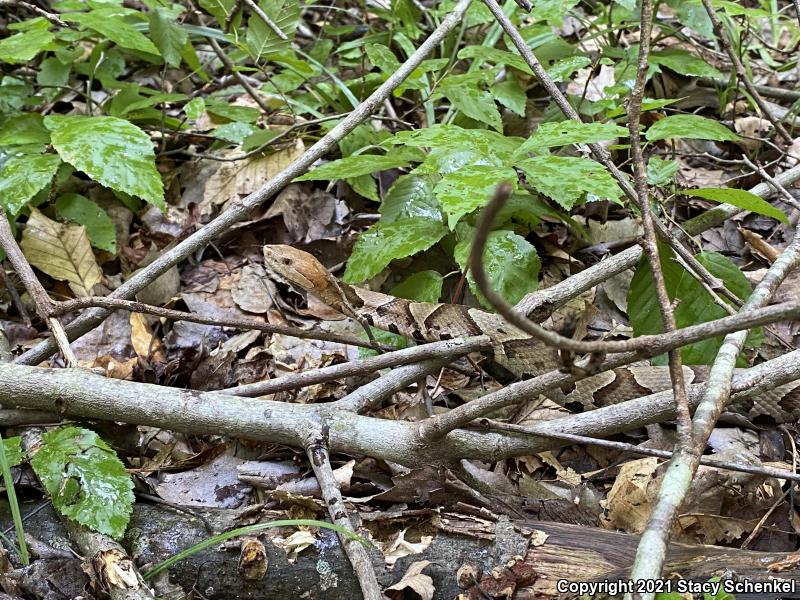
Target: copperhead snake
x,y
513,349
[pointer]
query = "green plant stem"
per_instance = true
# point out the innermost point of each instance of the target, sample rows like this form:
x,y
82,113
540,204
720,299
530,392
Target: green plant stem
x,y
247,530
8,481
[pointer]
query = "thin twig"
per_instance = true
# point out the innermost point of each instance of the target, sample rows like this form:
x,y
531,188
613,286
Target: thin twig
x,y
649,241
231,68
316,447
490,424
267,21
741,71
41,300
111,303
15,298
446,350
788,198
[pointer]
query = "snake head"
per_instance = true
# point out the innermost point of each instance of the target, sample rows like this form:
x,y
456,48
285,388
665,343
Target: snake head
x,y
296,267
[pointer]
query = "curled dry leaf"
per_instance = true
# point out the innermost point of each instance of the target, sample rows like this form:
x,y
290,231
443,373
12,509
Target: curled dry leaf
x,y
62,251
414,579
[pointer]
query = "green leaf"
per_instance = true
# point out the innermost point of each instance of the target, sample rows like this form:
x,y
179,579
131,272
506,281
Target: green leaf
x,y
741,198
13,450
425,286
496,56
473,102
23,47
461,192
660,171
85,479
511,95
168,37
569,180
26,128
261,41
220,9
552,11
111,151
511,264
384,242
243,114
195,108
691,127
99,226
411,196
563,69
453,137
695,305
22,177
108,23
233,132
53,72
684,63
354,166
550,135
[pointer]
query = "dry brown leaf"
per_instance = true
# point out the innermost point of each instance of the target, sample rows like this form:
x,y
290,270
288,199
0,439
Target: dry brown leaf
x,y
143,341
240,178
401,547
62,251
629,501
415,580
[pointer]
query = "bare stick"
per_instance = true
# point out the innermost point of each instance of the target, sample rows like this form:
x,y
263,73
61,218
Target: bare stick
x,y
239,209
784,193
230,67
78,393
651,553
741,71
179,315
267,21
317,450
633,449
649,242
41,300
447,351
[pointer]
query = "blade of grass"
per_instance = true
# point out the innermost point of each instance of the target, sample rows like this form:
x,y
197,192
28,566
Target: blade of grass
x,y
8,481
247,530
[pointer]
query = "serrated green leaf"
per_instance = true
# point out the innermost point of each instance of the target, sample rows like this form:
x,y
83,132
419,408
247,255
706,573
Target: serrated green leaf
x,y
551,135
23,47
695,305
511,262
22,177
26,128
85,479
473,102
13,450
411,196
741,198
111,151
563,69
261,41
511,95
461,192
384,242
569,179
383,58
689,127
425,286
220,9
195,108
493,147
233,132
682,62
108,23
99,226
660,171
354,166
496,56
233,112
168,37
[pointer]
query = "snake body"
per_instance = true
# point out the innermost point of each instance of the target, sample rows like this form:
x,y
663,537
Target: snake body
x,y
513,349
